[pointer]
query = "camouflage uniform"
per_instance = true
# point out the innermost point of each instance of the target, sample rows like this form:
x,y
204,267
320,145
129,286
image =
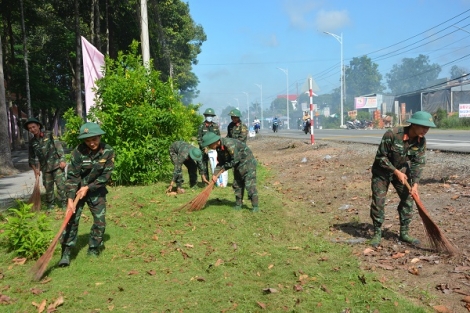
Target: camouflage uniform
x,y
237,131
396,151
179,154
235,154
50,154
202,130
93,170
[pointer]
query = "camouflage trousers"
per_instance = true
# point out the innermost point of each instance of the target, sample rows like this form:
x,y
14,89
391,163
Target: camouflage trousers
x,y
244,177
379,186
97,204
205,161
192,171
56,177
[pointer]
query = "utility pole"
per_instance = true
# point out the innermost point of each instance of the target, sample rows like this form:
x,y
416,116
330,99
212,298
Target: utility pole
x,y
144,34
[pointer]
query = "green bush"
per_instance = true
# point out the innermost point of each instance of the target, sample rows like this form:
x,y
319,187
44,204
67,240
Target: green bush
x,y
25,232
141,116
72,128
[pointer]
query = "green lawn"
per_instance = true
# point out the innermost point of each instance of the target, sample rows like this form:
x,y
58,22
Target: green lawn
x,y
159,259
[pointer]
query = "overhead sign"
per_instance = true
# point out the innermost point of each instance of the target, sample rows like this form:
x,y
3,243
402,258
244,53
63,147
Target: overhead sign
x,y
365,102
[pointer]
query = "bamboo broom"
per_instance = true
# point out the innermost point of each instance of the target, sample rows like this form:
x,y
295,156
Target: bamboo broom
x,y
199,202
35,197
41,264
436,237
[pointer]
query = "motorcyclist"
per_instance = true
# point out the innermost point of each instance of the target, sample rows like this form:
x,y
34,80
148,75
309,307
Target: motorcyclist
x,y
256,124
275,124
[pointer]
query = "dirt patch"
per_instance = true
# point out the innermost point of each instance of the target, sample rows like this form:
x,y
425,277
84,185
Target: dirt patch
x,y
334,179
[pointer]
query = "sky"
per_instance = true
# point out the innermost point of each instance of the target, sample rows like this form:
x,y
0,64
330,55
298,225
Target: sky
x,y
259,49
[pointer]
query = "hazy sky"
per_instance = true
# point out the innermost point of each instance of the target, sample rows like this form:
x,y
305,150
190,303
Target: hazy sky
x,y
247,41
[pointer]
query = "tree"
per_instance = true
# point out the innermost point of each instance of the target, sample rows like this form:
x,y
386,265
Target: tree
x,y
457,72
363,77
6,162
412,75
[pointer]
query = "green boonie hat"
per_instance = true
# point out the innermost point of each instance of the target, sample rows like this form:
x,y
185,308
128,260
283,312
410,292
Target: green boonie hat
x,y
209,139
31,120
195,154
235,112
90,129
209,111
422,118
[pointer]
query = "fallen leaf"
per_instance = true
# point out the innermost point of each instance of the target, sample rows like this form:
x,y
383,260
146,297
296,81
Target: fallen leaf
x,y
398,255
413,270
36,291
270,290
19,261
219,262
323,287
455,197
367,251
200,279
466,299
4,299
261,305
133,272
151,272
441,309
460,269
40,306
298,288
415,260
294,248
58,302
189,245
270,266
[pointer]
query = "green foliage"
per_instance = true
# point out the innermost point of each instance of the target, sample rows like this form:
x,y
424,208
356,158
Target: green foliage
x,y
26,233
451,122
72,128
363,77
141,116
412,74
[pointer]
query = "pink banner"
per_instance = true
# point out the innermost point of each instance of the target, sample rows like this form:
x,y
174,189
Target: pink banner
x,y
93,61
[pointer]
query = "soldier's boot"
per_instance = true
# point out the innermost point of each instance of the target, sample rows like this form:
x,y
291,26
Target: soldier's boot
x,y
93,252
65,259
405,236
255,209
375,241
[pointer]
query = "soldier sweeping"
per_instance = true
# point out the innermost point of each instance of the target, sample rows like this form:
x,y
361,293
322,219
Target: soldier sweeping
x,y
400,157
51,159
207,126
90,169
232,153
184,153
236,129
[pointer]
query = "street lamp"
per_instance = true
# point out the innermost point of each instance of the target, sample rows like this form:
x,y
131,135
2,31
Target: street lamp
x,y
286,71
248,106
262,119
340,40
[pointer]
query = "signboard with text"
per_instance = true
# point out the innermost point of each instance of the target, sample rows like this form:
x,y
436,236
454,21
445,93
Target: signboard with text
x,y
464,110
365,102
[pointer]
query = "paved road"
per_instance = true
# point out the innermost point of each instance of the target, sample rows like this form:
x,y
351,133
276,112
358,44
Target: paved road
x,y
444,140
18,186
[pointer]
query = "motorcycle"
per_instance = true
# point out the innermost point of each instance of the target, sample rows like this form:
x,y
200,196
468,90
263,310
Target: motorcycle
x,y
350,125
307,126
275,126
257,127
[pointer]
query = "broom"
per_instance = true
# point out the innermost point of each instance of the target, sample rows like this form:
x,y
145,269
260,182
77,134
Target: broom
x,y
41,264
201,199
35,198
436,238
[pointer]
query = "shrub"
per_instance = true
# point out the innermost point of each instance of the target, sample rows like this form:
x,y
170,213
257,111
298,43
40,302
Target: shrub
x,y
25,232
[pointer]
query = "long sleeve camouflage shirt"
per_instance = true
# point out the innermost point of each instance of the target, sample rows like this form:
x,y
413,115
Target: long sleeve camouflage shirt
x,y
88,168
395,151
237,131
179,153
204,128
47,150
233,153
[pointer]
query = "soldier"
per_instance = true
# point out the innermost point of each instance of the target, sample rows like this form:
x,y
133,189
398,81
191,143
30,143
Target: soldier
x,y
400,157
51,161
236,129
90,169
184,153
232,153
207,126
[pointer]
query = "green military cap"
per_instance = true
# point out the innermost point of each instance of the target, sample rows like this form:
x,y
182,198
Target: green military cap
x,y
235,112
209,139
195,154
31,120
90,130
422,118
209,111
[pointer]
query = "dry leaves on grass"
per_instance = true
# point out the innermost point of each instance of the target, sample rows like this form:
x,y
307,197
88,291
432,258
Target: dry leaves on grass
x,y
51,308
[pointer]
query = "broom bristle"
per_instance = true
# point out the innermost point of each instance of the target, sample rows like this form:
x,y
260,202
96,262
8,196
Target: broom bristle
x,y
41,264
435,236
35,198
200,200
